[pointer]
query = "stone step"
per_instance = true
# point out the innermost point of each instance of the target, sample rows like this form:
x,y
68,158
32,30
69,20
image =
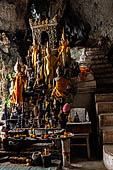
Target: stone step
x,y
3,153
88,84
102,66
103,81
104,97
104,90
107,136
103,71
97,57
102,61
105,119
105,86
104,107
95,53
107,128
102,76
4,159
93,49
86,90
108,156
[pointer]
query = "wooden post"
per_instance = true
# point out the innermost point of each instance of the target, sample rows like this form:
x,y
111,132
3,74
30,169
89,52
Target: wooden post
x,y
66,151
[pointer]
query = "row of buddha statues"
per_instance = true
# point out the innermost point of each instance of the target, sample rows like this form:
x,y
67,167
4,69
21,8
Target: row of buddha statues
x,y
46,75
46,66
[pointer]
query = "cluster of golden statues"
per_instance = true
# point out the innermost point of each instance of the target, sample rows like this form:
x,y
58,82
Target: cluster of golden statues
x,y
44,68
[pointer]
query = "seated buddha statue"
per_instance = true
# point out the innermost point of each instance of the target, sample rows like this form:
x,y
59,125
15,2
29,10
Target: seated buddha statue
x,y
62,85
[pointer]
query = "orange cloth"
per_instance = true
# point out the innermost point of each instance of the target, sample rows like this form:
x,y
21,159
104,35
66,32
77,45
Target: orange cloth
x,y
61,88
19,83
84,71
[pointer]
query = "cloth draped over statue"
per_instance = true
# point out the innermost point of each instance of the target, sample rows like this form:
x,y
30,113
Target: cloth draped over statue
x,y
84,71
64,52
61,88
19,84
50,62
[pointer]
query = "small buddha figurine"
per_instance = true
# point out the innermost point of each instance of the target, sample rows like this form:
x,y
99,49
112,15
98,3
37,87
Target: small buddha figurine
x,y
29,57
35,52
43,22
30,81
76,118
55,18
39,21
69,117
64,50
46,21
38,82
30,22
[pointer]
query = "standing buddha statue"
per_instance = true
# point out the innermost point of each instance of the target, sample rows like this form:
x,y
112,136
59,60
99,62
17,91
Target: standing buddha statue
x,y
19,82
50,63
35,52
64,50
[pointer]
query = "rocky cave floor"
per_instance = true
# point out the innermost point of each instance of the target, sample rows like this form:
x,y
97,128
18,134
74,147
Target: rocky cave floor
x,y
79,160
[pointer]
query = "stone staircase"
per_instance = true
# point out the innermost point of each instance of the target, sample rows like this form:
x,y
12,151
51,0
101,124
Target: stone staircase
x,y
104,111
102,68
103,73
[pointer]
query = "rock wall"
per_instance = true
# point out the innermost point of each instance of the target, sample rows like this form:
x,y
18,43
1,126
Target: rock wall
x,y
98,13
8,57
12,15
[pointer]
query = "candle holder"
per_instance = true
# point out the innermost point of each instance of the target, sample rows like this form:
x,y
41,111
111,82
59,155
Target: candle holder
x,y
36,159
28,162
46,160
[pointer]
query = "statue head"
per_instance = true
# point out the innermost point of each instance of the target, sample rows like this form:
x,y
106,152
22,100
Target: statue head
x,y
63,35
17,67
59,71
34,40
3,35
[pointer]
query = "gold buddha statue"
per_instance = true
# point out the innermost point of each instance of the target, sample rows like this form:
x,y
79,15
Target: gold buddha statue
x,y
50,63
34,52
64,50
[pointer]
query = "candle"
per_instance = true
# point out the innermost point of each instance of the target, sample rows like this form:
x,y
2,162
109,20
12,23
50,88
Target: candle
x,y
33,131
45,151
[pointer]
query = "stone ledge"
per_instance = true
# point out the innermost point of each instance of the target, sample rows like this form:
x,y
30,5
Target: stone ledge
x,y
108,136
104,97
104,107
